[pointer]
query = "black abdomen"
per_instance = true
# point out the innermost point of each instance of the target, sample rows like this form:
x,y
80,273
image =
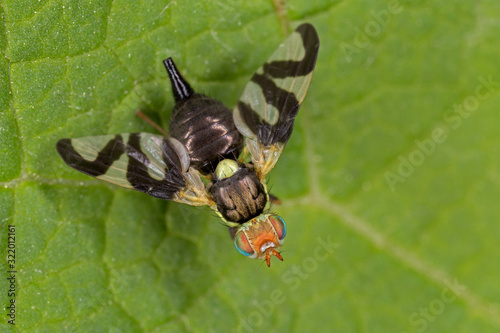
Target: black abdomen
x,y
206,128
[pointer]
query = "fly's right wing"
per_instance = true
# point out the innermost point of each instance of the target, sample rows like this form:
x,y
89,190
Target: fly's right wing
x,y
153,164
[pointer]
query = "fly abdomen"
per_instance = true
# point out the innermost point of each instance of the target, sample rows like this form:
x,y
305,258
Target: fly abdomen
x,y
206,128
240,197
202,124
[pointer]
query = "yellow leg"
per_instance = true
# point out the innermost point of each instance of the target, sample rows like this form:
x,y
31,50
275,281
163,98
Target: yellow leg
x,y
244,155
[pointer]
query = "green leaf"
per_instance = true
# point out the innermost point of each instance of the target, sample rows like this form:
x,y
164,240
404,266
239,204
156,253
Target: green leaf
x,y
389,183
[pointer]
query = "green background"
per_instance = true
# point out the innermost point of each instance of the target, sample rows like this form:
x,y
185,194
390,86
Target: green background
x,y
414,221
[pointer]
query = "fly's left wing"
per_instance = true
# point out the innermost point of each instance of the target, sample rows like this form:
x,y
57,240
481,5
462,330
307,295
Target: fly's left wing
x,y
153,164
271,100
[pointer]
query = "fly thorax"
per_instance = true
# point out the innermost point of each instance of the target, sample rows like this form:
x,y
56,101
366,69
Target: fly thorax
x,y
238,192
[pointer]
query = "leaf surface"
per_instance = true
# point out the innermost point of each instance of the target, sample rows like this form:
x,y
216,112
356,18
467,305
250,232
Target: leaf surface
x,y
389,182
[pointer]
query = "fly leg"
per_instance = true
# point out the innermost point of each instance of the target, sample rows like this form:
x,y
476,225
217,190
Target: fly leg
x,y
244,154
274,199
150,122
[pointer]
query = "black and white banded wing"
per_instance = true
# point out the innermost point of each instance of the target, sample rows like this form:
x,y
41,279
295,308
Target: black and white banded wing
x,y
153,164
271,100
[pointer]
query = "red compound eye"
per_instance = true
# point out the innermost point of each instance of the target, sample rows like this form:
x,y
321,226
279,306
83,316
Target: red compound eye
x,y
279,225
243,245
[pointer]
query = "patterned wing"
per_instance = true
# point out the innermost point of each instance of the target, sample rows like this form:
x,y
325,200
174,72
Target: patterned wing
x,y
153,164
271,100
